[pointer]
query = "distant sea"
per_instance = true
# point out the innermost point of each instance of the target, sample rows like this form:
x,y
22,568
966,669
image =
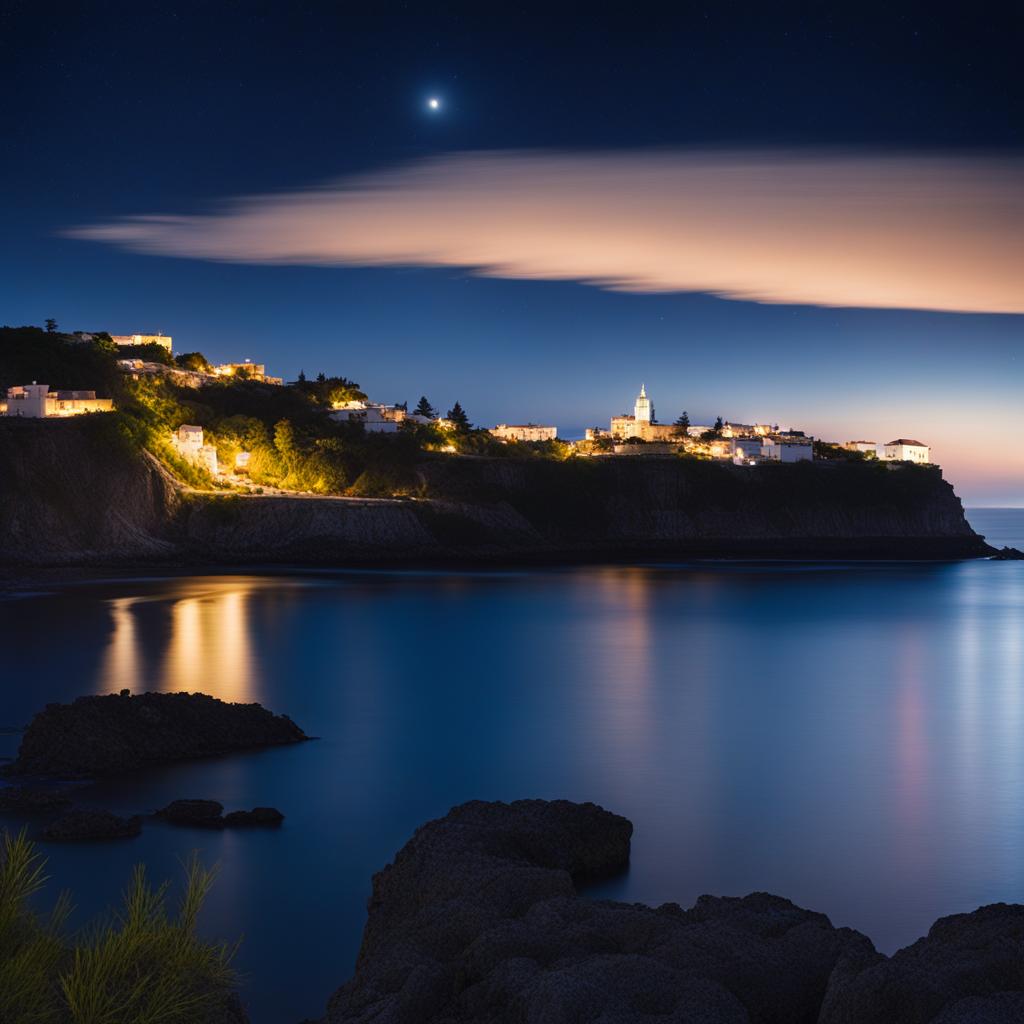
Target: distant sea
x,y
1001,527
846,735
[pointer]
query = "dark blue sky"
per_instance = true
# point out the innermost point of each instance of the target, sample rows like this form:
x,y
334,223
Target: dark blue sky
x,y
117,109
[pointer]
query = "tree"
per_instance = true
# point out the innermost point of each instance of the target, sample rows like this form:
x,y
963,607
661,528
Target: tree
x,y
457,415
302,377
682,425
424,408
285,441
51,325
718,425
195,361
321,378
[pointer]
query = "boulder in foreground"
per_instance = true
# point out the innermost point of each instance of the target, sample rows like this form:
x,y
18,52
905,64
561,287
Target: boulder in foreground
x,y
478,920
119,733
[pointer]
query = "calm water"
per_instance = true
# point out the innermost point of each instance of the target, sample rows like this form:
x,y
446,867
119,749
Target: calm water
x,y
849,736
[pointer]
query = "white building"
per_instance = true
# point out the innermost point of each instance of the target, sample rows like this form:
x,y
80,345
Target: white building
x,y
742,449
163,340
780,450
376,419
905,450
38,402
188,442
524,432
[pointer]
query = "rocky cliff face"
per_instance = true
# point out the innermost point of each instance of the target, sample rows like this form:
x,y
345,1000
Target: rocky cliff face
x,y
72,491
72,494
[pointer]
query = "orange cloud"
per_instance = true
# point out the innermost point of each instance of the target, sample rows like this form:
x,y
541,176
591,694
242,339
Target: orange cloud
x,y
834,229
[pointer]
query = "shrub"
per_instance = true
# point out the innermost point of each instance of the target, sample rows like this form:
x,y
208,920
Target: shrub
x,y
144,966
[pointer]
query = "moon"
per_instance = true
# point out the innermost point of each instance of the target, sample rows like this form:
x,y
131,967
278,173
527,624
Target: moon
x,y
434,103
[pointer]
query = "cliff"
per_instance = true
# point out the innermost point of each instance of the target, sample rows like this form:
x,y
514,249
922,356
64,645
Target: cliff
x,y
74,492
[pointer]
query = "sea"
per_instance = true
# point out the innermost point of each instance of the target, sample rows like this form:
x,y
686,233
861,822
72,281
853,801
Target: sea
x,y
848,735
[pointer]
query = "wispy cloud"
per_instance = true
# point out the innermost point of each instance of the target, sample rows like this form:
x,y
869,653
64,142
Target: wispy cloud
x,y
938,233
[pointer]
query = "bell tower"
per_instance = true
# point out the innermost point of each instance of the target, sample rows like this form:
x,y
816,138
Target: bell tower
x,y
643,411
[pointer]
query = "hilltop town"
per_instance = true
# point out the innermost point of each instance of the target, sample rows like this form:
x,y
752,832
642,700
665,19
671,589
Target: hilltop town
x,y
234,426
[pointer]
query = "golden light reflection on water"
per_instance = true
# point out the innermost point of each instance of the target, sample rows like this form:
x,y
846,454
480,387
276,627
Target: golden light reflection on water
x,y
122,664
198,639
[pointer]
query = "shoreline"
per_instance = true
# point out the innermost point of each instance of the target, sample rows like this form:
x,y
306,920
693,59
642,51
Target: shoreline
x,y
21,574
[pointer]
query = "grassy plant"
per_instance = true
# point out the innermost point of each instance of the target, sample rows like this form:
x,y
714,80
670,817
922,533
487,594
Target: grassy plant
x,y
144,966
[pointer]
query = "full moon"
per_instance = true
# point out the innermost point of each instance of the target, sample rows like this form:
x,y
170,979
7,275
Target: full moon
x,y
434,103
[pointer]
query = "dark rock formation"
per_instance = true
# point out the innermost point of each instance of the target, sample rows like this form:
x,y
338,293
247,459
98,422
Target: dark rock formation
x,y
1008,554
30,799
478,920
120,733
202,813
966,967
210,814
91,823
258,816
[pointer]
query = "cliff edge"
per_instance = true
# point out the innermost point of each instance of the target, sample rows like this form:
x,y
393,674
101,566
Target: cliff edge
x,y
76,493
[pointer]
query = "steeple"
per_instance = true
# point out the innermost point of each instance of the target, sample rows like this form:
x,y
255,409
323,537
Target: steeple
x,y
643,411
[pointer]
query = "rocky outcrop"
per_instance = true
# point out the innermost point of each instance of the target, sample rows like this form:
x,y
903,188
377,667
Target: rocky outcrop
x,y
77,493
1008,554
258,817
198,813
969,968
91,823
119,733
478,920
210,814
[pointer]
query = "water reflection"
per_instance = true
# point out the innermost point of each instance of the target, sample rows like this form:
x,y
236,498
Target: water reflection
x,y
185,640
850,737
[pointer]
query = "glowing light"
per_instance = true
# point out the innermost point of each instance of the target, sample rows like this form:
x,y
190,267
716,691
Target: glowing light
x,y
434,103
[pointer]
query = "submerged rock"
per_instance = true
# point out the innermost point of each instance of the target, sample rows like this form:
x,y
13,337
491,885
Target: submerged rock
x,y
91,823
210,814
119,733
30,799
478,920
203,813
258,817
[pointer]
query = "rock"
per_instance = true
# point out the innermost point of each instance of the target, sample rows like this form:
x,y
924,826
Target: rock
x,y
1008,554
1002,1008
91,823
203,813
265,816
478,920
210,814
119,733
25,799
960,966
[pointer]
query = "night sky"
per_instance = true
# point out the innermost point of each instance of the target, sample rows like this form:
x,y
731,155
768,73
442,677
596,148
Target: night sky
x,y
115,111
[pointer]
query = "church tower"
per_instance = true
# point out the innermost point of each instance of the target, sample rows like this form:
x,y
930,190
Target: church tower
x,y
643,411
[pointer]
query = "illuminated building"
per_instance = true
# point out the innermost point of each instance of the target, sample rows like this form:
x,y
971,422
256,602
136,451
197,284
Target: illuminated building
x,y
38,401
